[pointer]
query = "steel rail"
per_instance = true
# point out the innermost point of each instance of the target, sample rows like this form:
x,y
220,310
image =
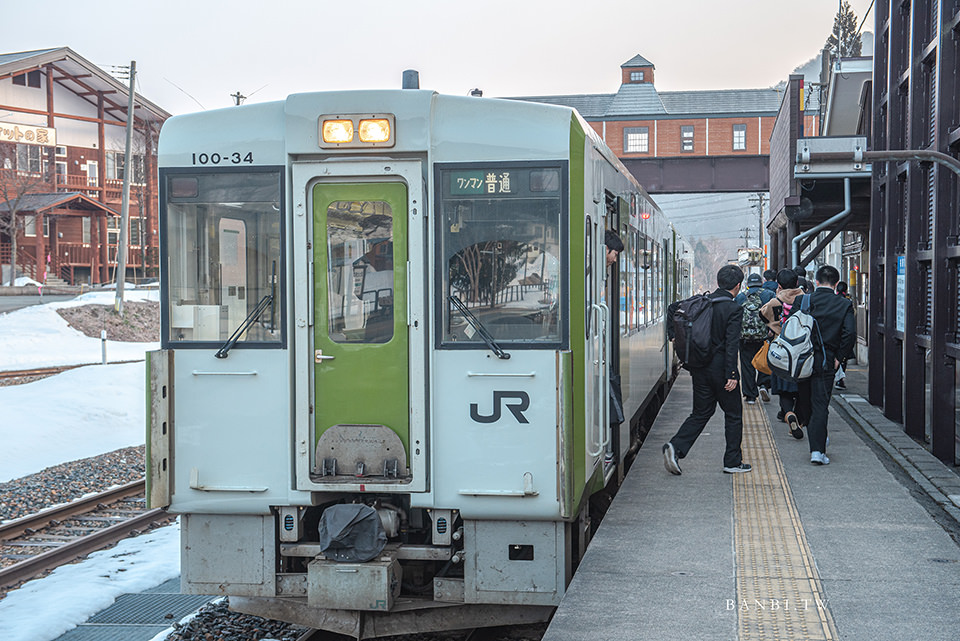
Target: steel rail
x,y
63,512
36,565
42,371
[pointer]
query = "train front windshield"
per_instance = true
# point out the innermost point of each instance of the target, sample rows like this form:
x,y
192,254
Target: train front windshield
x,y
501,244
223,255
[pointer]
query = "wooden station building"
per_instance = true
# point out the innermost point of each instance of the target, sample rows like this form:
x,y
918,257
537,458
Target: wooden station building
x,y
62,163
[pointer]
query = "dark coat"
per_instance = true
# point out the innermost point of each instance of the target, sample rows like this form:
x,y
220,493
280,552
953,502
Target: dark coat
x,y
838,329
725,334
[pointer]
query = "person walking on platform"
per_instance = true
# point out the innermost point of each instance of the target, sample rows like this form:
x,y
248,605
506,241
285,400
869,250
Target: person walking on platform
x,y
770,280
752,334
843,290
833,338
717,382
775,312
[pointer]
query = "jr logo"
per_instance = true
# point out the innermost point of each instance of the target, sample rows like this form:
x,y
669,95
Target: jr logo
x,y
516,408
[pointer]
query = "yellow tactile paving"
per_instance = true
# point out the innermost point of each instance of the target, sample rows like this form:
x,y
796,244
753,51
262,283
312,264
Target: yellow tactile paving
x,y
779,595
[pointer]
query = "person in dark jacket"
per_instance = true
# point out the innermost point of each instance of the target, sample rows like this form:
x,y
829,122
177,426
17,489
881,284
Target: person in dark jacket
x,y
770,280
717,382
833,338
754,383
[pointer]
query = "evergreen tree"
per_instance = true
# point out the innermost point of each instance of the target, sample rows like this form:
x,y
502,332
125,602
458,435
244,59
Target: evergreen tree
x,y
844,33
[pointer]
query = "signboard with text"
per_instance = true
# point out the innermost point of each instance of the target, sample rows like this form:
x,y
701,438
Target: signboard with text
x,y
27,134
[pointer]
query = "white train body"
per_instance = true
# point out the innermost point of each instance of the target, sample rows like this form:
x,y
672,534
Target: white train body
x,y
359,380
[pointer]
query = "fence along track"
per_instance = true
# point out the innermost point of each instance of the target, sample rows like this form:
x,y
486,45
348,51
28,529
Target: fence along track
x,y
66,548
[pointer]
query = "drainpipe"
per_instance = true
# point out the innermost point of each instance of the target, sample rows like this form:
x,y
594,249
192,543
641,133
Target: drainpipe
x,y
847,209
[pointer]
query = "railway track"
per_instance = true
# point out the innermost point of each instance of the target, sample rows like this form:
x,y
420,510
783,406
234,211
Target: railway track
x,y
40,372
33,545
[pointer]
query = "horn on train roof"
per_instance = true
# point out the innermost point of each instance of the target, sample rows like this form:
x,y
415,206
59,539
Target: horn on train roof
x,y
411,79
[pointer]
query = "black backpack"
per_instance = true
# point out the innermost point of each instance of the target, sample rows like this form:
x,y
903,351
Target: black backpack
x,y
692,320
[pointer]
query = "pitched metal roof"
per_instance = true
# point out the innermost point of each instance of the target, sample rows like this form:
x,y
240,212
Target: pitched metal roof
x,y
6,58
637,61
46,202
588,105
638,98
79,75
722,101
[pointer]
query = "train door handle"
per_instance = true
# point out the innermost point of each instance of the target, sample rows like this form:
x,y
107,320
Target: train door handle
x,y
319,357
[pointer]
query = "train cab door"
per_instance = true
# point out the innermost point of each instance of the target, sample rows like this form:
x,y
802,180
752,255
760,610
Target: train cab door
x,y
364,426
598,314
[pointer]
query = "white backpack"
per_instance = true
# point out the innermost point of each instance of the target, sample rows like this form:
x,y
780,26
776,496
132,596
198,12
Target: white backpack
x,y
791,353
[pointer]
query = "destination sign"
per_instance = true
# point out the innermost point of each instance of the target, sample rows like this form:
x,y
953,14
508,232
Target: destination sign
x,y
498,182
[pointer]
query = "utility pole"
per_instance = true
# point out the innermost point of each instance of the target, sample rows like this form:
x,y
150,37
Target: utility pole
x,y
125,203
238,98
745,236
758,201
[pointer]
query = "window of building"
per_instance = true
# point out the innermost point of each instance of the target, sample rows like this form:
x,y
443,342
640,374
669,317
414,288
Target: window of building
x,y
30,225
29,79
61,171
116,165
85,230
636,76
636,140
61,150
739,137
686,138
29,159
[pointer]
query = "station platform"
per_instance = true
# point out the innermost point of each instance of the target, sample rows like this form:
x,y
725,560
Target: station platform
x,y
865,548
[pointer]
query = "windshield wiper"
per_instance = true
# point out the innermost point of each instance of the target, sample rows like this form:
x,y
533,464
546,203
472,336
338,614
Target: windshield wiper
x,y
477,325
247,322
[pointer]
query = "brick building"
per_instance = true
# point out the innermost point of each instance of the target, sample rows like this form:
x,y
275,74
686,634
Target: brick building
x,y
62,162
683,141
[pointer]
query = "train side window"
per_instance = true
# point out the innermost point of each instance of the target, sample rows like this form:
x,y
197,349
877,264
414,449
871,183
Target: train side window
x,y
223,247
360,271
502,244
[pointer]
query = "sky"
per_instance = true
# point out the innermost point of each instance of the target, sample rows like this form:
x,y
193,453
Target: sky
x,y
194,55
36,434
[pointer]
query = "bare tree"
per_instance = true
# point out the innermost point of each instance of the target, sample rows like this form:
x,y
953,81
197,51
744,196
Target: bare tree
x,y
17,183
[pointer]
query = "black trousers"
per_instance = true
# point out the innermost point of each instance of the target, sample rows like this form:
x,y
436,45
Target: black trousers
x,y
750,378
708,391
813,402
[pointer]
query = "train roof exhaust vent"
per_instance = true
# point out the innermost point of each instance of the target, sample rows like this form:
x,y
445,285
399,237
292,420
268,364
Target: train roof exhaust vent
x,y
411,79
476,93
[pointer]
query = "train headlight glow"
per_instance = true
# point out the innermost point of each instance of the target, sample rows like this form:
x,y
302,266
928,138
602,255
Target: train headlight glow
x,y
337,131
375,130
357,131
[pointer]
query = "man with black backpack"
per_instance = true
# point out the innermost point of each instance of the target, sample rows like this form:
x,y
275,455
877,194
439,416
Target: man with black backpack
x,y
833,337
753,331
715,378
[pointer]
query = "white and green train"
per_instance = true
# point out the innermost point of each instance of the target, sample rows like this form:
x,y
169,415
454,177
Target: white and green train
x,y
400,301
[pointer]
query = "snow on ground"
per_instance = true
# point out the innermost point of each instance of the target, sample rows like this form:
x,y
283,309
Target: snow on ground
x,y
37,336
82,412
79,413
46,608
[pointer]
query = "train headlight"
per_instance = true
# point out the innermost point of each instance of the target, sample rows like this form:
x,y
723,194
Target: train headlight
x,y
357,130
375,130
337,131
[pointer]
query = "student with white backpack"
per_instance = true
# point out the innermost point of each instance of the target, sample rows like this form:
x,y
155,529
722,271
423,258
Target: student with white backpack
x,y
833,336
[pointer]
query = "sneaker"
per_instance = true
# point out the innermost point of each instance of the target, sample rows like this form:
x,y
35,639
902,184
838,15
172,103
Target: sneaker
x,y
780,416
743,467
796,431
841,385
670,459
819,458
751,401
764,394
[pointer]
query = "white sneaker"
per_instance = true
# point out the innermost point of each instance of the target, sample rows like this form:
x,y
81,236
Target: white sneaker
x,y
819,458
670,459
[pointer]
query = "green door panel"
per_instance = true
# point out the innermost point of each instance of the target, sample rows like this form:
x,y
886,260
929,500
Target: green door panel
x,y
361,368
